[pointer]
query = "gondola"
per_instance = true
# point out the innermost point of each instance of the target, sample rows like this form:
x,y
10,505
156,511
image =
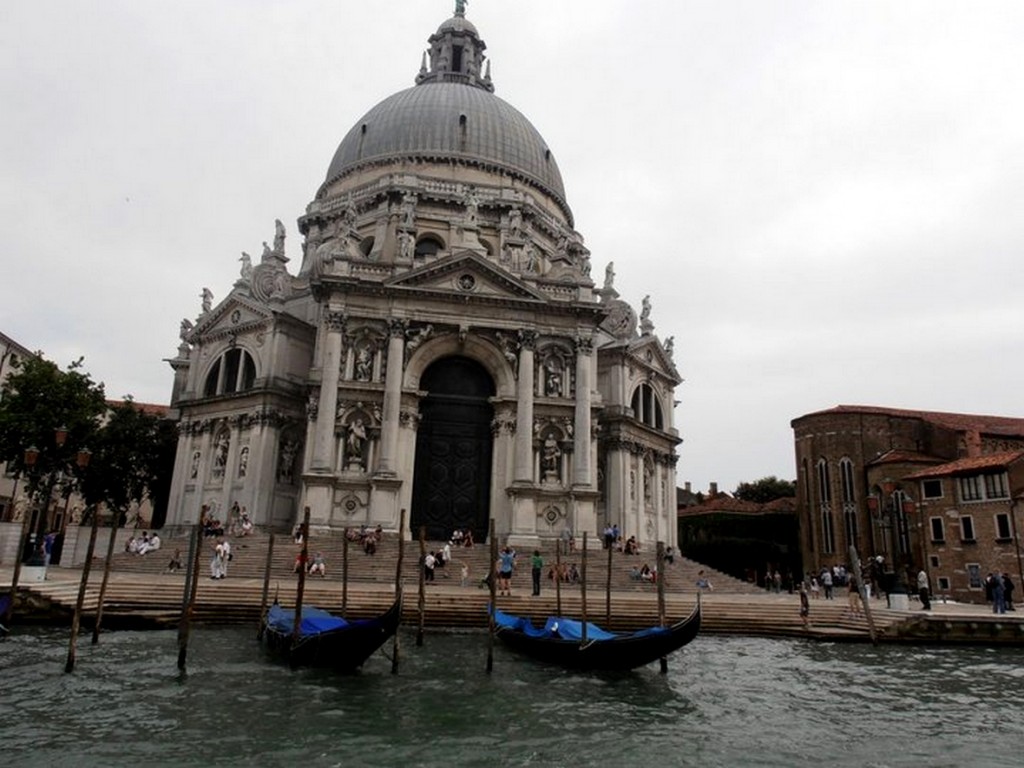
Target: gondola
x,y
560,641
326,640
5,602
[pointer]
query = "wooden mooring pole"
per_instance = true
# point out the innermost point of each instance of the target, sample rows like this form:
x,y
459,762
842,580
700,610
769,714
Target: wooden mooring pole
x,y
399,591
344,574
69,665
266,587
301,588
855,567
583,589
492,570
660,563
608,589
114,515
188,600
422,605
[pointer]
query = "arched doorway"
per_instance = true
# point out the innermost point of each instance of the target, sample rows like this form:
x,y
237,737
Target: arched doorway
x,y
452,480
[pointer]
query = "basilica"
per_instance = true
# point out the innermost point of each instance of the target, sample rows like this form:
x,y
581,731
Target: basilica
x,y
434,342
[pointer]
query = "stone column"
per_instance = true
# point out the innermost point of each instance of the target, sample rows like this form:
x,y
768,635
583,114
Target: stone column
x,y
581,438
392,398
524,409
330,372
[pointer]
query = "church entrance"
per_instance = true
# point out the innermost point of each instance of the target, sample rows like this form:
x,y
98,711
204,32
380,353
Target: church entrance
x,y
452,479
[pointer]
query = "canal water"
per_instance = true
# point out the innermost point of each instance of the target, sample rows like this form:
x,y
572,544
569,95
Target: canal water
x,y
726,701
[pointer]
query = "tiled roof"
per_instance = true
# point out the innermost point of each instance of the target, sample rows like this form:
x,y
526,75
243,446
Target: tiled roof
x,y
969,465
899,456
153,409
993,425
726,503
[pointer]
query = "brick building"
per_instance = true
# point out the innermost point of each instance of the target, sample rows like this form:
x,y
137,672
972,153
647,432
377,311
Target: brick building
x,y
862,476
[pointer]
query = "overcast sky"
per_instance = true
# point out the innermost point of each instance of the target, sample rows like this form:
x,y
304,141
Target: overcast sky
x,y
824,200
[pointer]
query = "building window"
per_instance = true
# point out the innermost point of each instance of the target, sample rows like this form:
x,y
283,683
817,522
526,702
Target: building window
x,y
970,488
846,480
966,528
943,583
938,530
974,576
234,371
647,407
900,503
828,536
931,489
934,561
995,485
824,486
1003,527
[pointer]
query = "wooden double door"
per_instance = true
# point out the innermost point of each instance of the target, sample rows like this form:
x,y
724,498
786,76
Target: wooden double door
x,y
452,477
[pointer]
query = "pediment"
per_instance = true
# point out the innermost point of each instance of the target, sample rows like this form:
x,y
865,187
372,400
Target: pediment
x,y
233,316
466,273
650,351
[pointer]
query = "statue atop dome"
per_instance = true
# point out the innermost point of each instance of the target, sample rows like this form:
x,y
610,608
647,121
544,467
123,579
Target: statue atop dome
x,y
460,7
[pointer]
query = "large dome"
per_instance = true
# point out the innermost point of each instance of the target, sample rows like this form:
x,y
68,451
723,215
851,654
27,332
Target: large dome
x,y
450,122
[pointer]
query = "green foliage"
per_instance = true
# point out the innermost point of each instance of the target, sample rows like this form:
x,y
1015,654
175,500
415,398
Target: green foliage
x,y
37,399
766,489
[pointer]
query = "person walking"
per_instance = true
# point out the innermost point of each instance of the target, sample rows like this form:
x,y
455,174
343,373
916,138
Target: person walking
x,y
536,568
1008,592
826,582
922,590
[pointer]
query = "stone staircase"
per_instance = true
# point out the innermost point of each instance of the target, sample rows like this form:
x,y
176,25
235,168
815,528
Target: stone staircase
x,y
250,561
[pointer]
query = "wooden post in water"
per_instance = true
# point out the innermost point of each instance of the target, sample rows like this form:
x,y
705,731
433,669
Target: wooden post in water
x,y
608,590
266,586
69,665
855,567
399,589
583,589
660,564
493,581
106,575
301,588
188,600
344,574
422,605
558,577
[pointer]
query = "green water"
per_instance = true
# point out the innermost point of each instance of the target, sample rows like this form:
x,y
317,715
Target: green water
x,y
726,701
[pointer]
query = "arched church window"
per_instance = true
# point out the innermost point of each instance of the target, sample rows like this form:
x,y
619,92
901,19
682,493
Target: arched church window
x,y
647,407
428,245
234,371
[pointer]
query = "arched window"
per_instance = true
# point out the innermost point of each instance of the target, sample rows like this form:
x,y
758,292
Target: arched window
x,y
647,407
428,245
849,499
828,536
234,371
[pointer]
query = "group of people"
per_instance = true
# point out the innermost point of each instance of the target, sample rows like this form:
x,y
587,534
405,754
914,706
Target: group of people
x,y
644,573
567,573
461,538
999,591
221,557
367,538
143,544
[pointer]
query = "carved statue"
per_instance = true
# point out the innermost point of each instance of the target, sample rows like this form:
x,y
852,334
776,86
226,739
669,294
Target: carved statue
x,y
194,471
417,336
246,266
186,329
645,311
552,379
549,456
460,7
509,348
515,222
409,210
406,245
472,206
355,441
286,461
670,344
278,237
243,461
220,456
207,296
609,275
267,253
364,364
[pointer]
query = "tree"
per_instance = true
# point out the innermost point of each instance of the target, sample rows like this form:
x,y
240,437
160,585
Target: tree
x,y
37,400
766,489
129,458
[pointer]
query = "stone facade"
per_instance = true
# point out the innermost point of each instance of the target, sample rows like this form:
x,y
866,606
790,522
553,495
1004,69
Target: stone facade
x,y
858,470
10,509
442,349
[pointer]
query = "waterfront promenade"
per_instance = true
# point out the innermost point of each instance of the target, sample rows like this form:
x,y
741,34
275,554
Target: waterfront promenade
x,y
139,599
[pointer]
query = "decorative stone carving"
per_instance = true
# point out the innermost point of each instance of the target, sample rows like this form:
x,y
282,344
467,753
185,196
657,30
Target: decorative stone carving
x,y
207,297
286,460
670,343
243,461
609,275
335,321
186,329
550,463
355,444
